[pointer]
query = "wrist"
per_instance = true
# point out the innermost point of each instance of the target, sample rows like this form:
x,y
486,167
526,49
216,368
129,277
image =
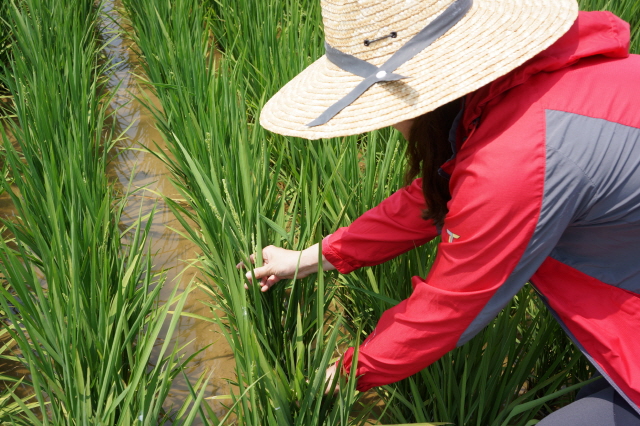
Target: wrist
x,y
309,261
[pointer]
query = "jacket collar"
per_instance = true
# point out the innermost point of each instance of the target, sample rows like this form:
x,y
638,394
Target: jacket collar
x,y
593,33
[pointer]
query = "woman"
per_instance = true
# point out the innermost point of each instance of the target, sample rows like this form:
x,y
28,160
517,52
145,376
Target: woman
x,y
523,121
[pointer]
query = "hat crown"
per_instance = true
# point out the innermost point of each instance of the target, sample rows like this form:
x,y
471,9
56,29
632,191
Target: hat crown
x,y
348,23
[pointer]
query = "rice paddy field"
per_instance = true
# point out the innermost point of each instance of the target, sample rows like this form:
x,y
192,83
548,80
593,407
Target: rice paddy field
x,y
135,176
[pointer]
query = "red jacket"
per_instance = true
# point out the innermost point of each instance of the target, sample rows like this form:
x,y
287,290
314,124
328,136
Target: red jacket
x,y
545,187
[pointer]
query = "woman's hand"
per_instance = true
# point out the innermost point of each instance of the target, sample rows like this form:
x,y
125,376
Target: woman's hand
x,y
281,264
328,380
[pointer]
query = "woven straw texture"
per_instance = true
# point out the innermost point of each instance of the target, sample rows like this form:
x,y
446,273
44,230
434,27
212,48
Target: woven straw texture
x,y
493,38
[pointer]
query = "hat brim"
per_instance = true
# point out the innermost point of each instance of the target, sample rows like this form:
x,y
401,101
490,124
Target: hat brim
x,y
495,37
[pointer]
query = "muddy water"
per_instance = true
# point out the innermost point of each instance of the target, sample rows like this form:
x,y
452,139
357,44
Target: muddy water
x,y
171,251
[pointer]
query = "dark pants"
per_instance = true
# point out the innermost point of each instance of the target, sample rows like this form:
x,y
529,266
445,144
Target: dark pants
x,y
597,404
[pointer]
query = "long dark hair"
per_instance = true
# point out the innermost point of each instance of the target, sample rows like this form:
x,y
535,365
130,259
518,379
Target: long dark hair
x,y
428,148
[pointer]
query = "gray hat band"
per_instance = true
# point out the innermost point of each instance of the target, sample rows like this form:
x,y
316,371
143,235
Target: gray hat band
x,y
372,74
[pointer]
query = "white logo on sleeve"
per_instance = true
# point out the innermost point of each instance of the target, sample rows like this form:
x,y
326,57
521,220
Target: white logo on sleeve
x,y
452,236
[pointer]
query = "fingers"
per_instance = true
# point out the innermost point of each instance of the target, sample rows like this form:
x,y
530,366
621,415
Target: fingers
x,y
265,283
266,273
252,258
259,273
269,282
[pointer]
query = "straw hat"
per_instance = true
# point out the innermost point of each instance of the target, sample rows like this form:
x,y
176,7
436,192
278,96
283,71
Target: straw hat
x,y
484,40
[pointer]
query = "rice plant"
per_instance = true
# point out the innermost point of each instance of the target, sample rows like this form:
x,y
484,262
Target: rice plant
x,y
5,34
80,303
283,341
14,395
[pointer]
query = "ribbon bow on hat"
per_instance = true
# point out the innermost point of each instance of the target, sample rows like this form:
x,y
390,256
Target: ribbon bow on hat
x,y
373,74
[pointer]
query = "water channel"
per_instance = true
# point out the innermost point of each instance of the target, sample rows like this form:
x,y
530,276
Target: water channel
x,y
172,252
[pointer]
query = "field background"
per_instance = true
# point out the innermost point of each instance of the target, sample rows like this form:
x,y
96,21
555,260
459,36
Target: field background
x,y
80,298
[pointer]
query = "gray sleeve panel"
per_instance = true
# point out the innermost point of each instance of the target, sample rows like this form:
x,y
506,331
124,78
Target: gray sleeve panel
x,y
604,241
565,188
590,215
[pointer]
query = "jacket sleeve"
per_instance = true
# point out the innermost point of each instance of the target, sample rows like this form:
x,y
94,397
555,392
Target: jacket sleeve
x,y
502,223
382,233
